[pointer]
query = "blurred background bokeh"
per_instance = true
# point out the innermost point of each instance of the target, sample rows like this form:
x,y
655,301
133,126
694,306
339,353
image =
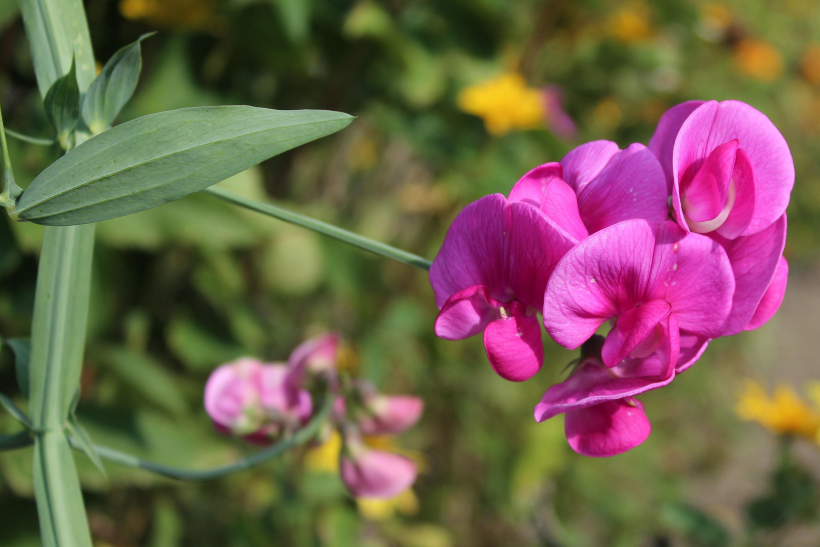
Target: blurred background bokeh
x,y
455,99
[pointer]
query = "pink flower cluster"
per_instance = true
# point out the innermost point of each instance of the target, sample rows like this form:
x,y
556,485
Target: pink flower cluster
x,y
672,244
265,402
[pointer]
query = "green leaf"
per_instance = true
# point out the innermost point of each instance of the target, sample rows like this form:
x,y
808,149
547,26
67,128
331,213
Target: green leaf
x,y
21,348
62,104
148,377
84,443
113,87
9,191
15,411
295,15
161,157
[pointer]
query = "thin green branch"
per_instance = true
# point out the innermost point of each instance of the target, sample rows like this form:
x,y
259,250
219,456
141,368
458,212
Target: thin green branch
x,y
28,139
302,436
14,441
15,411
335,232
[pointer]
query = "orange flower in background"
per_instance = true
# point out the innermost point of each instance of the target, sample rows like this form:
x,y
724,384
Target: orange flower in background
x,y
758,59
505,103
810,64
185,14
783,413
632,23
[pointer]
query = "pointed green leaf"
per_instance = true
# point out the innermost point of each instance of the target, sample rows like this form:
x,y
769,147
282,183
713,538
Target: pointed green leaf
x,y
9,191
15,411
161,157
21,348
82,441
62,104
113,87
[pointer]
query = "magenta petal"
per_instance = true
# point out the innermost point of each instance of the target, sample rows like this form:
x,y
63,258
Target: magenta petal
x,y
585,162
669,350
391,414
663,141
535,244
377,474
754,260
636,327
466,313
232,395
593,384
602,276
473,251
531,187
631,185
692,272
691,348
772,298
608,428
713,124
704,197
514,345
745,198
316,355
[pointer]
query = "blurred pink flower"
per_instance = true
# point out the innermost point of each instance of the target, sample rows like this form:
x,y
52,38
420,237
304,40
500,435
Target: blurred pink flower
x,y
376,473
654,280
555,117
390,414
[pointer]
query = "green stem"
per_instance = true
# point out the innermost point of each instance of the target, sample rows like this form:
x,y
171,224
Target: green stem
x,y
324,228
300,437
58,34
28,139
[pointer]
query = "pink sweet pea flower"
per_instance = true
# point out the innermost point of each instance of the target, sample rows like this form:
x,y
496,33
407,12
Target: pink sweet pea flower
x,y
654,280
602,416
490,276
390,414
595,186
376,473
252,399
760,272
728,168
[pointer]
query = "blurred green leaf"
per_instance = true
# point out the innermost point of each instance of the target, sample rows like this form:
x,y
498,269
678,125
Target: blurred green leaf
x,y
161,157
699,528
167,525
198,349
148,377
62,104
295,15
112,87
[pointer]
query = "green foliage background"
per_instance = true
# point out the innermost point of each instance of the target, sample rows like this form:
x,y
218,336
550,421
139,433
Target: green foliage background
x,y
184,287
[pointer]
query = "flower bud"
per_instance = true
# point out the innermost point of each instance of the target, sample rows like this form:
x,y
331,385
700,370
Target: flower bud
x,y
391,414
376,473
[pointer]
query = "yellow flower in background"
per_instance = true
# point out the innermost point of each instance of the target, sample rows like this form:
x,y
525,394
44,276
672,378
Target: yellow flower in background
x,y
325,459
187,14
632,23
405,503
758,59
810,64
505,103
784,413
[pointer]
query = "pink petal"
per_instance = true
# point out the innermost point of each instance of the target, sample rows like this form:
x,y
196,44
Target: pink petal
x,y
315,355
273,391
558,121
669,350
663,141
693,273
377,474
543,188
636,327
473,251
704,197
466,313
232,390
608,428
754,260
585,162
631,185
391,414
691,348
514,345
602,277
713,124
745,198
772,298
535,244
593,384
531,187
